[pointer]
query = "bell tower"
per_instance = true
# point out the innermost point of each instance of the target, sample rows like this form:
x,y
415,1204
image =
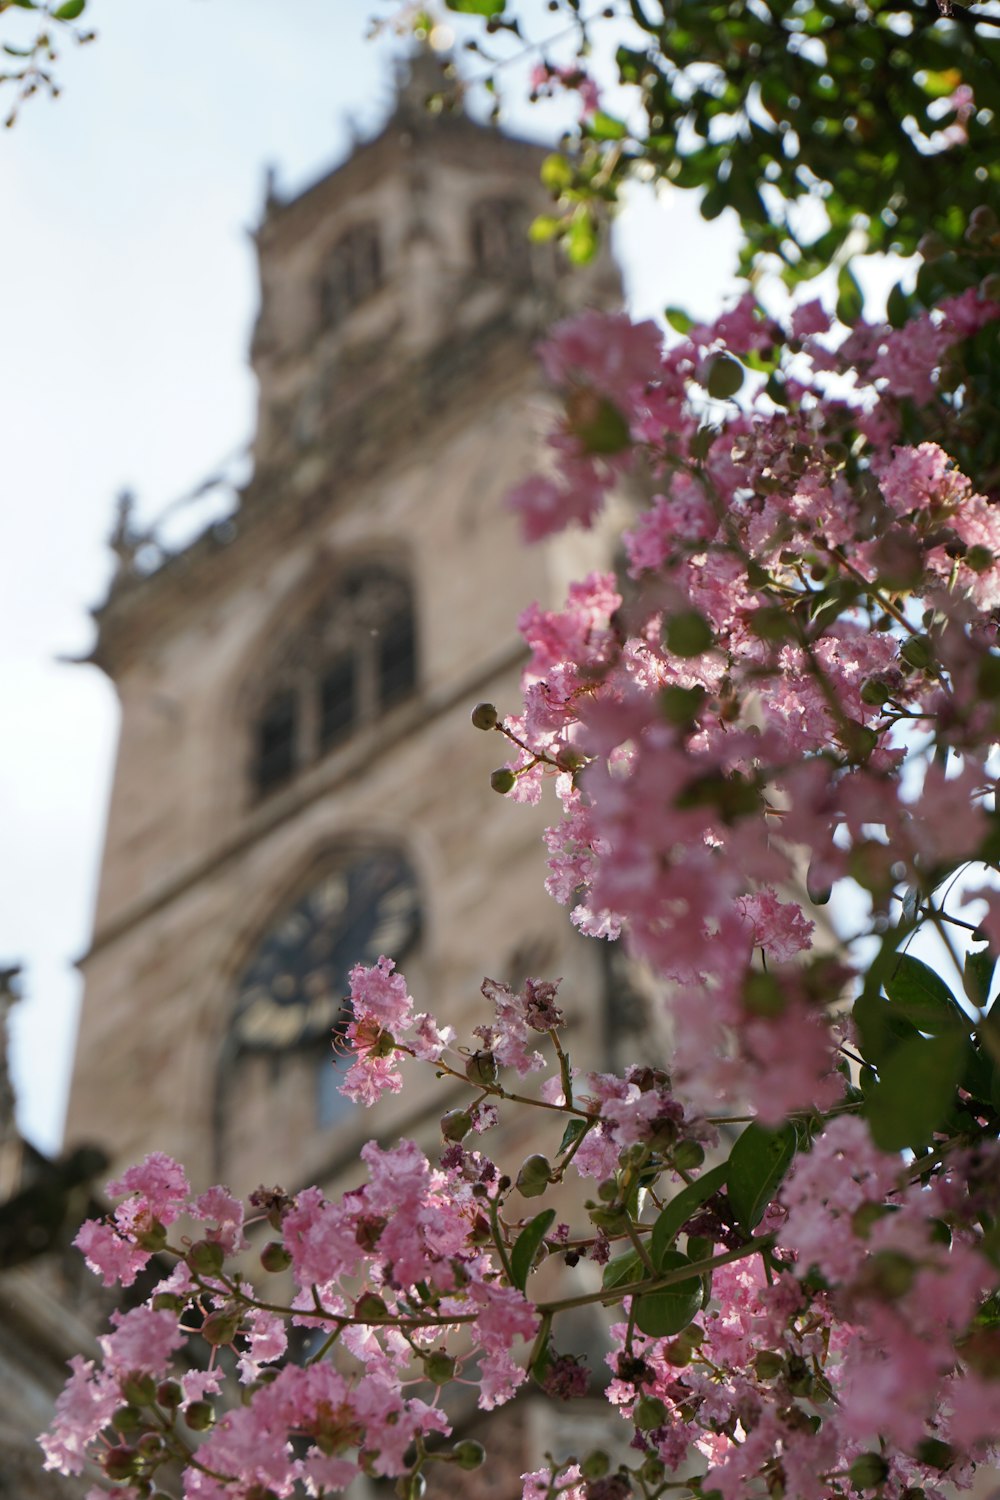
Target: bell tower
x,y
298,787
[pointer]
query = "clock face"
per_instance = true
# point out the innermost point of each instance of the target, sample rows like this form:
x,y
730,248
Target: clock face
x,y
294,989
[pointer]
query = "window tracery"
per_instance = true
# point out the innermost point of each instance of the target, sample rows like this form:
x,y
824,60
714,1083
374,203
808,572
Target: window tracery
x,y
354,272
352,660
499,238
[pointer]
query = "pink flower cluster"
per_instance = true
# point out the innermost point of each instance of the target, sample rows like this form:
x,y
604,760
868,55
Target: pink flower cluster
x,y
748,696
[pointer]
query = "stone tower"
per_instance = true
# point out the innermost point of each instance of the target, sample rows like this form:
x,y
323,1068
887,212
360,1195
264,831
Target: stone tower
x,y
298,786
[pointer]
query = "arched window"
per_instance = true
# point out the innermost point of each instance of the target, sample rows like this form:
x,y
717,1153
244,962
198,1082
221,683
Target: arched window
x,y
354,272
351,661
498,233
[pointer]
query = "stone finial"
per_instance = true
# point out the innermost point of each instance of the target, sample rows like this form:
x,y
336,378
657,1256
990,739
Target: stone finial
x,y
425,75
125,539
10,993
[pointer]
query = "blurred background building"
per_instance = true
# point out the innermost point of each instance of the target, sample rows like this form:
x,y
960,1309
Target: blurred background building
x,y
298,786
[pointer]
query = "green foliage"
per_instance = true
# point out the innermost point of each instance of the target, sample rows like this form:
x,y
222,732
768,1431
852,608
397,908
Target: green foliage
x,y
765,107
921,997
915,1091
757,1164
664,1313
680,1208
527,1245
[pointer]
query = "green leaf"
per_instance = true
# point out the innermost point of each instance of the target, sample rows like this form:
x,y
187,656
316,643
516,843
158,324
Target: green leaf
x,y
621,1270
526,1246
687,633
664,1313
572,1134
605,127
678,319
916,1090
680,1208
850,300
922,997
979,967
477,7
880,1029
600,426
69,10
757,1163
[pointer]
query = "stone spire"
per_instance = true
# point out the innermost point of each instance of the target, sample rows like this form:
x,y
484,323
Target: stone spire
x,y
427,81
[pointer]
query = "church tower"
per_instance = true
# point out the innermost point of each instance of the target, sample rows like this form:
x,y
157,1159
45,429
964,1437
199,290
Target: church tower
x,y
298,786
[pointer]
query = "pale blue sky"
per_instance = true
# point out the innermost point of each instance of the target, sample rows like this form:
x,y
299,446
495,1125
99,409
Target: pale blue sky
x,y
128,299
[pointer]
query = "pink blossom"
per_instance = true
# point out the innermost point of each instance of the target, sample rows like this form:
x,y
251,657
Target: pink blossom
x,y
379,994
84,1407
778,926
159,1181
144,1340
110,1255
219,1205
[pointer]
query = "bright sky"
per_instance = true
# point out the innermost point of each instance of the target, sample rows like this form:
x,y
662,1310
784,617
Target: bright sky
x,y
129,296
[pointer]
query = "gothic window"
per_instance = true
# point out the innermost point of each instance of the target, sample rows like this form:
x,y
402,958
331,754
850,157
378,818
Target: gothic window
x,y
499,239
351,661
354,272
274,761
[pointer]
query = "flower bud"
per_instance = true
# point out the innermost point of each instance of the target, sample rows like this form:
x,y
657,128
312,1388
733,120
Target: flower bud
x,y
611,1220
502,781
206,1257
150,1445
199,1415
439,1367
678,1352
456,1124
139,1390
917,652
410,1486
721,375
370,1308
485,716
481,1069
768,1364
653,1470
687,1155
120,1463
469,1455
220,1327
167,1302
868,1471
274,1256
153,1238
595,1465
127,1419
649,1412
169,1394
534,1176
932,246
